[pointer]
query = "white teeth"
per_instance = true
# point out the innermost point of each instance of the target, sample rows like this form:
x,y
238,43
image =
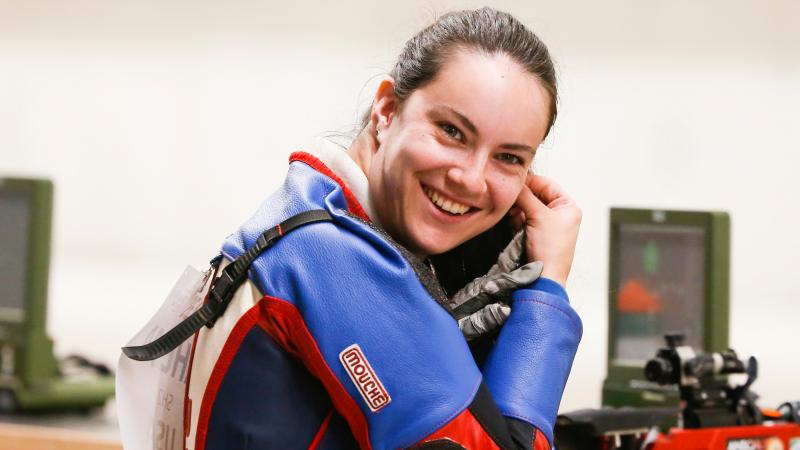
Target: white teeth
x,y
447,205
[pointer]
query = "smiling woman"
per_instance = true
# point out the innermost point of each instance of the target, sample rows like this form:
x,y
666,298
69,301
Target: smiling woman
x,y
446,166
341,335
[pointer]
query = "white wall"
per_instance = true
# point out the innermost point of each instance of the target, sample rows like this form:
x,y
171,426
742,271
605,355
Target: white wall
x,y
164,124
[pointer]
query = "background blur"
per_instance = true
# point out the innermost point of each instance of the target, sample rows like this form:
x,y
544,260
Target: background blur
x,y
165,123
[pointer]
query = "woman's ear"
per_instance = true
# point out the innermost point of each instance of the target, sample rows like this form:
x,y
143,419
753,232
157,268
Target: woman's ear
x,y
384,107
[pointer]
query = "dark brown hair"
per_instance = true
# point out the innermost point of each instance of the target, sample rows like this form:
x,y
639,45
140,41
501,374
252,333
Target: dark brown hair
x,y
484,30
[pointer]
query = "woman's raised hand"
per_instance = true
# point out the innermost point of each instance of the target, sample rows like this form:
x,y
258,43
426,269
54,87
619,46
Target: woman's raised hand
x,y
551,220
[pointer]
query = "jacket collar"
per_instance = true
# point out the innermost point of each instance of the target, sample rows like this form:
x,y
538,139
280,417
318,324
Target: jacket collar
x,y
340,163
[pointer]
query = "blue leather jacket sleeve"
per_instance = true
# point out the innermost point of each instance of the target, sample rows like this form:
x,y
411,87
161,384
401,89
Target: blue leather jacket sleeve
x,y
528,368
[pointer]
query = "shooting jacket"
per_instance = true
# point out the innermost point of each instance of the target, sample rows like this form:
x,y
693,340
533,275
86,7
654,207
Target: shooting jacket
x,y
339,340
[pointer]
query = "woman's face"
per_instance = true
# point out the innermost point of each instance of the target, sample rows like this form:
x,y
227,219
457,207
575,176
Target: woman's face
x,y
453,157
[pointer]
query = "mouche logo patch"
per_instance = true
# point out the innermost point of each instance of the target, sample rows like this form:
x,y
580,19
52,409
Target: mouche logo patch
x,y
364,377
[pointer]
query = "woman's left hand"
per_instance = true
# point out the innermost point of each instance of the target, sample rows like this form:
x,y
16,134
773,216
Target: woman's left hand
x,y
551,220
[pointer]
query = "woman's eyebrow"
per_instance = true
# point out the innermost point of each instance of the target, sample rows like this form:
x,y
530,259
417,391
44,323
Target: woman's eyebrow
x,y
466,123
521,147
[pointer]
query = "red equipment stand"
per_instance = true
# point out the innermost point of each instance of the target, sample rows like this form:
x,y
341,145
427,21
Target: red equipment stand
x,y
714,414
779,436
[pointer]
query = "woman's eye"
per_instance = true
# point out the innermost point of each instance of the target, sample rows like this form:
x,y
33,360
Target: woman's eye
x,y
510,158
452,131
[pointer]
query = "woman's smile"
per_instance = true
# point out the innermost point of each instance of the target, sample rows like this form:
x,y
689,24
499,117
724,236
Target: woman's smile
x,y
446,203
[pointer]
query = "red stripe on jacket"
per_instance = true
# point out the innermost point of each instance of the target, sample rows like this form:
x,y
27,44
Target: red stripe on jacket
x,y
234,340
466,431
321,432
282,321
353,205
540,441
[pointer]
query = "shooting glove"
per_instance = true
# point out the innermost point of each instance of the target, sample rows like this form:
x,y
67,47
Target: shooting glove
x,y
482,305
487,319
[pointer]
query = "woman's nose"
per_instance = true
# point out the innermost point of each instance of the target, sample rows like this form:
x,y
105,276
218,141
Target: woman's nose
x,y
469,177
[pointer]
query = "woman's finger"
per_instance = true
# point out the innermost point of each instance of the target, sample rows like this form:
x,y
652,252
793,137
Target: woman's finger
x,y
529,203
547,190
517,220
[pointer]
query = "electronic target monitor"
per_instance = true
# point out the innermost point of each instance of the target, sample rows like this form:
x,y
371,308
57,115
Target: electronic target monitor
x,y
31,378
15,222
668,273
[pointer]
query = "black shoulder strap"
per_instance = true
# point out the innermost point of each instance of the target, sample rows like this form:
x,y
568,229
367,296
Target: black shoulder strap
x,y
221,293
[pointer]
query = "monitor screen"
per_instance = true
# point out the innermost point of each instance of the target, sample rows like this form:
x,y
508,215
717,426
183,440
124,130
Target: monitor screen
x,y
14,240
660,288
